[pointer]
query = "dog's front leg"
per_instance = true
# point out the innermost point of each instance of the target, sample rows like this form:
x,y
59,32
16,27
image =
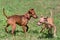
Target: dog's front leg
x,y
13,28
42,29
27,28
24,28
54,27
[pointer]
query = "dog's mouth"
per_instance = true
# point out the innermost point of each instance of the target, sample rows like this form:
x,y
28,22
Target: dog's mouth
x,y
39,23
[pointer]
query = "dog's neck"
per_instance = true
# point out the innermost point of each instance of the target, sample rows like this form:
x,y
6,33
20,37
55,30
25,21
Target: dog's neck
x,y
28,16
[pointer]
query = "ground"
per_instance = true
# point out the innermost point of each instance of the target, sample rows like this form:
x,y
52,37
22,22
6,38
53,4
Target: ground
x,y
20,7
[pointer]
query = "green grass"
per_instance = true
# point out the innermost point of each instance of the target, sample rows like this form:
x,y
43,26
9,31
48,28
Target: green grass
x,y
21,7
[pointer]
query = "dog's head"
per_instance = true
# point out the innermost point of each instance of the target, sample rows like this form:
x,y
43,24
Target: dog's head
x,y
32,13
42,20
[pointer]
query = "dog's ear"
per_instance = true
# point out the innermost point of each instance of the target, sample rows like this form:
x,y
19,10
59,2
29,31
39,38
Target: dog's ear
x,y
41,15
46,17
29,12
32,9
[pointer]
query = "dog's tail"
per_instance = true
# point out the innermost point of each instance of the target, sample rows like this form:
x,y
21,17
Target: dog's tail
x,y
51,14
4,13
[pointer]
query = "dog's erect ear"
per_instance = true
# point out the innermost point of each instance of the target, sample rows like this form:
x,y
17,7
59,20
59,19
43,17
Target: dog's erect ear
x,y
32,9
29,12
41,15
46,17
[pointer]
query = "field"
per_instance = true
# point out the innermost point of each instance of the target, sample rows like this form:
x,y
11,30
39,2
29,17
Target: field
x,y
20,7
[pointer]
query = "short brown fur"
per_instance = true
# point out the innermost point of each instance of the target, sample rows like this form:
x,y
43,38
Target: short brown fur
x,y
21,20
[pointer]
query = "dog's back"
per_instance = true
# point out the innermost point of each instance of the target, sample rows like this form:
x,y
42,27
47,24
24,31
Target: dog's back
x,y
18,19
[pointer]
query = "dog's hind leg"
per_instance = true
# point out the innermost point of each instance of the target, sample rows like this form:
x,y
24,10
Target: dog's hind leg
x,y
54,31
6,28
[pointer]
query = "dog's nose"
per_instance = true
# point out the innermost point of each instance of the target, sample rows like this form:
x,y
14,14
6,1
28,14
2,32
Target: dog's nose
x,y
38,24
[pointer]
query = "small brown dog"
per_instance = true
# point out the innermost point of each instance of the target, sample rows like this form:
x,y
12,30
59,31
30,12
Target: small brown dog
x,y
21,20
48,23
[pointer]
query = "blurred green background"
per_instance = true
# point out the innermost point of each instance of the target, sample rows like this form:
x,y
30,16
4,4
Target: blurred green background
x,y
20,7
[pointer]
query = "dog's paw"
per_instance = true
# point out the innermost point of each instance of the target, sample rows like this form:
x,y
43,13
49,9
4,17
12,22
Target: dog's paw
x,y
54,36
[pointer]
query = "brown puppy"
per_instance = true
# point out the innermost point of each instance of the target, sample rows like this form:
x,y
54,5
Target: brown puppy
x,y
48,23
21,20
